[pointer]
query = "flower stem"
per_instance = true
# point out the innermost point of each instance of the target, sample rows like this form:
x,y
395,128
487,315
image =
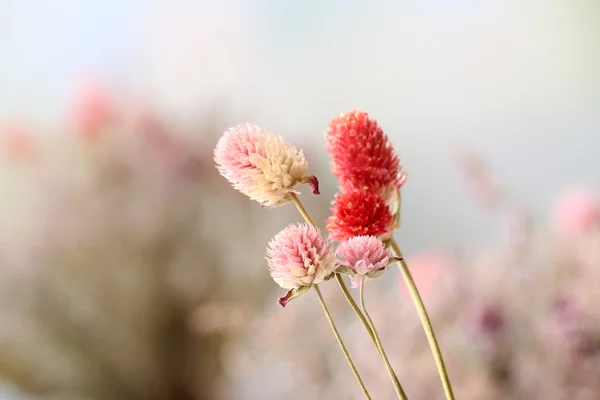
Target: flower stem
x,y
301,208
397,386
369,327
339,277
341,343
425,321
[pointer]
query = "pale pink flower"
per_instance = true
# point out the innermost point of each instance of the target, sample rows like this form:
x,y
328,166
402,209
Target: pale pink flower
x,y
261,165
299,257
364,256
576,211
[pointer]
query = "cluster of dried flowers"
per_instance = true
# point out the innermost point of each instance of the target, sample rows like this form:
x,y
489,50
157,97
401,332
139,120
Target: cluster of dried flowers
x,y
518,320
364,216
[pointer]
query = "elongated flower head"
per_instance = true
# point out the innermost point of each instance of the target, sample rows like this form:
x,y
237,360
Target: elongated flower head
x,y
261,165
360,213
362,156
363,256
299,257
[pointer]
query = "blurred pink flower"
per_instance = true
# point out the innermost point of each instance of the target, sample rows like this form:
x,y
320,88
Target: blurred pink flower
x,y
299,257
425,269
576,211
17,141
359,213
261,165
364,256
363,158
93,110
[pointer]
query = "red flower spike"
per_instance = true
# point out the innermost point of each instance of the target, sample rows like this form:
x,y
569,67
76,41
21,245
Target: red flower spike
x,y
359,213
362,155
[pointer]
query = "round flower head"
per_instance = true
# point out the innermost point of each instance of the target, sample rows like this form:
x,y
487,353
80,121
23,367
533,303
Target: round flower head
x,y
358,213
261,165
299,257
363,256
363,158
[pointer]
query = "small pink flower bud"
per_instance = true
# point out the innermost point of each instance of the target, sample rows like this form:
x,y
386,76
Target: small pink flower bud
x,y
364,256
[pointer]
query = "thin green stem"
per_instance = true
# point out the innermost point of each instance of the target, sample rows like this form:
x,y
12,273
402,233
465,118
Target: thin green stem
x,y
301,208
355,307
425,321
368,326
397,386
341,343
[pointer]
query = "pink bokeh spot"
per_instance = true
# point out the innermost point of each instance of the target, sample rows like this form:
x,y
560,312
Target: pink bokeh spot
x,y
575,211
93,109
17,141
426,269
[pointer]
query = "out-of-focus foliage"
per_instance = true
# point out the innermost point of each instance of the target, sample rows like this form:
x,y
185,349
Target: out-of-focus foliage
x,y
117,266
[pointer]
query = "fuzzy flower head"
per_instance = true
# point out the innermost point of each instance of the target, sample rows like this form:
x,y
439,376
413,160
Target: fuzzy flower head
x,y
299,257
261,165
360,213
363,256
362,156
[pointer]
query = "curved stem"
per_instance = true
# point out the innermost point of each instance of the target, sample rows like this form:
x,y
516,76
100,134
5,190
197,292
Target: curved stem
x,y
341,343
425,321
301,208
367,323
397,386
355,307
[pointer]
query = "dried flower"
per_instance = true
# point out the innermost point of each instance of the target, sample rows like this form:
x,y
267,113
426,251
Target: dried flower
x,y
261,165
363,256
299,257
359,213
363,157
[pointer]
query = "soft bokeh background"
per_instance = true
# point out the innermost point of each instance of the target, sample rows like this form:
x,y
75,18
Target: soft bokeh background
x,y
514,82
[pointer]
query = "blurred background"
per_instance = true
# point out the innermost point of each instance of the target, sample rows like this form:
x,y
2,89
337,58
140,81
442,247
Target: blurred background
x,y
131,270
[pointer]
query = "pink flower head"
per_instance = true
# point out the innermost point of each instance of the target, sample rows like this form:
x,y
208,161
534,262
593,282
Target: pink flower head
x,y
364,256
362,156
261,165
576,211
299,257
360,213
